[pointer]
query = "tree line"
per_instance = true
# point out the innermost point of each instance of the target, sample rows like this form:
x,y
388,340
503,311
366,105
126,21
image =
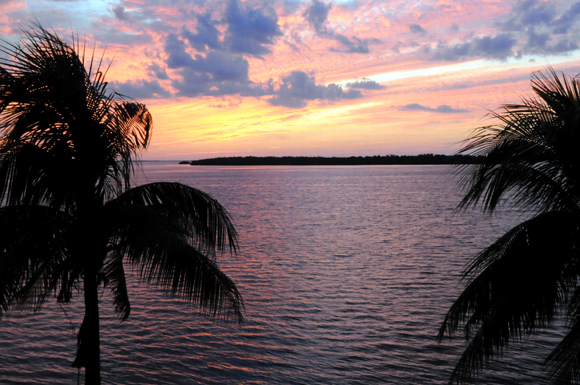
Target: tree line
x,y
422,159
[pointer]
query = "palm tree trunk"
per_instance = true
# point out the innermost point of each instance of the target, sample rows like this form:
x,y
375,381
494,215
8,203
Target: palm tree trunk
x,y
91,338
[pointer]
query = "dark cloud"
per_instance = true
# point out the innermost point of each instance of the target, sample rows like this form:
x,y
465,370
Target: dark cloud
x,y
540,43
291,6
452,53
297,88
416,28
350,4
216,73
351,45
567,20
141,89
250,30
496,47
531,14
365,84
206,36
192,83
159,72
120,13
195,83
530,29
221,69
317,14
223,66
177,56
444,109
537,41
534,12
220,66
528,13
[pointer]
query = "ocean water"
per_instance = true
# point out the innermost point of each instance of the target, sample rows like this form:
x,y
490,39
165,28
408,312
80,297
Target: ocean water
x,y
346,273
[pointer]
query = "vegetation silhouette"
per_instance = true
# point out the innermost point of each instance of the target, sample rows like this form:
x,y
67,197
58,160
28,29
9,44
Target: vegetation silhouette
x,y
530,275
70,221
334,161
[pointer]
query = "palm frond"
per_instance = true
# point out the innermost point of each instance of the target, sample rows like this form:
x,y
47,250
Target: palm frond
x,y
67,146
515,287
563,364
115,278
202,217
33,256
48,99
189,274
159,246
530,155
127,130
29,175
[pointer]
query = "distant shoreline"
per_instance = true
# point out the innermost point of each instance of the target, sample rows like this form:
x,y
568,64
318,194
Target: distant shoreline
x,y
423,159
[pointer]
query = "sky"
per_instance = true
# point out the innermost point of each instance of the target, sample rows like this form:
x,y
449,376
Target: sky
x,y
315,77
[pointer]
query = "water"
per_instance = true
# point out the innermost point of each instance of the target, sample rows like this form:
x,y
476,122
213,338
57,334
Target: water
x,y
346,273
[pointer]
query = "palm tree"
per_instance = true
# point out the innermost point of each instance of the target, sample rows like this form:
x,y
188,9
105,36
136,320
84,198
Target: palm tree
x,y
530,275
70,221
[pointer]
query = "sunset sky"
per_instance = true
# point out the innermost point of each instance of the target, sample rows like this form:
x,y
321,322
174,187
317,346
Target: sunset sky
x,y
317,78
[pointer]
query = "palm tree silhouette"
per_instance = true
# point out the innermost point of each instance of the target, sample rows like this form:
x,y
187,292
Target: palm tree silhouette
x,y
530,275
69,218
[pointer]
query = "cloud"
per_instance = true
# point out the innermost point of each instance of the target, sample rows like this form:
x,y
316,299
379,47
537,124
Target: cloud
x,y
291,6
120,13
416,28
216,73
141,89
491,47
106,33
349,4
223,66
567,20
353,45
160,73
365,84
175,49
530,29
530,14
539,43
317,14
194,84
221,73
218,65
250,30
444,109
207,36
534,12
298,87
498,47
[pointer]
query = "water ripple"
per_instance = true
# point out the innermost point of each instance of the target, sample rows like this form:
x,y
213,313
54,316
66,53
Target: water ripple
x,y
346,272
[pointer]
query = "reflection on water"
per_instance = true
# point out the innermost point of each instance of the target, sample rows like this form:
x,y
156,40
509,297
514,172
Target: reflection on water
x,y
346,273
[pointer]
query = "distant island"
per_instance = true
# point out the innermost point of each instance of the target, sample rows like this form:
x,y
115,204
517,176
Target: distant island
x,y
422,159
